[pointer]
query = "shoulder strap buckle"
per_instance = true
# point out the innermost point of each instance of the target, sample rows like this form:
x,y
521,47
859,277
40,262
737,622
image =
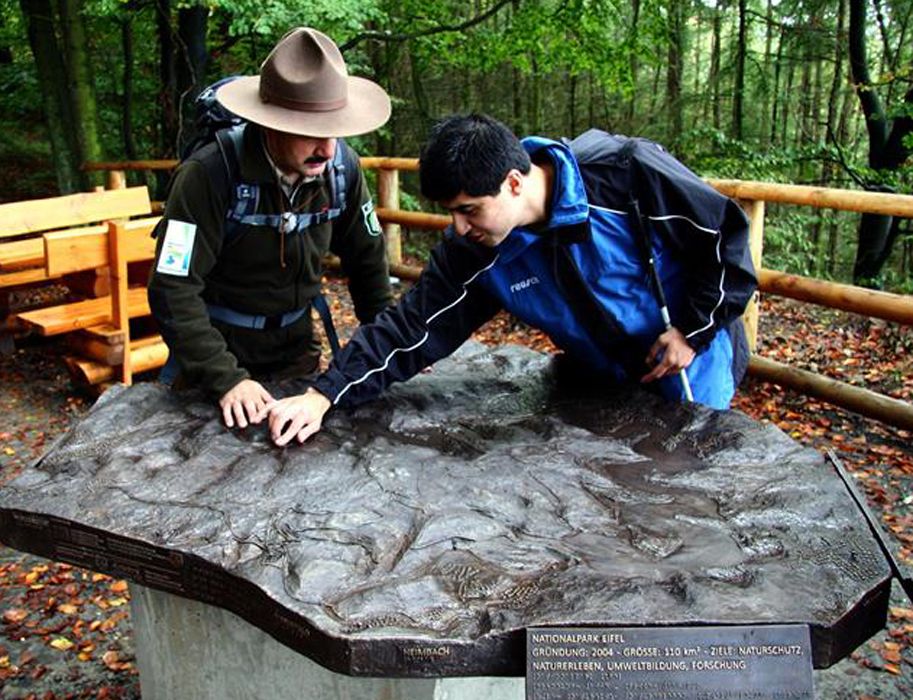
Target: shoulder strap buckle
x,y
288,223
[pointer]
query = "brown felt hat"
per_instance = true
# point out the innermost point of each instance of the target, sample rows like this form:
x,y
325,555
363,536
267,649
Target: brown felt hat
x,y
304,88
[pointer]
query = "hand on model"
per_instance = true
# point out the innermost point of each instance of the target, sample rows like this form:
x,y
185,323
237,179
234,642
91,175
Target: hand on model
x,y
669,355
245,403
297,416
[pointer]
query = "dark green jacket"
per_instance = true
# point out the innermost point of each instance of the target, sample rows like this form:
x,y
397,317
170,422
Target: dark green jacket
x,y
260,271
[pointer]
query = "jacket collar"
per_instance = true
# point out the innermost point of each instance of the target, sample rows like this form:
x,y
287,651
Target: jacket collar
x,y
569,201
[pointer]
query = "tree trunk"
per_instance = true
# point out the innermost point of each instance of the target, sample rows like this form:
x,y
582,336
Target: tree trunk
x,y
696,43
572,106
126,41
81,84
191,61
674,61
775,92
517,95
39,19
887,151
168,98
634,63
714,77
591,103
535,99
816,136
738,91
832,129
768,95
787,94
654,92
6,53
804,117
420,97
837,83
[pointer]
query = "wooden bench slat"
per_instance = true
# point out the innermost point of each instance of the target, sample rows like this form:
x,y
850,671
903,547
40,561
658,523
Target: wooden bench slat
x,y
36,215
23,277
86,249
65,318
19,254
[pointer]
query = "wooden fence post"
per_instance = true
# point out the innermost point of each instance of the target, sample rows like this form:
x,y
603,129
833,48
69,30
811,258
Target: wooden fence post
x,y
754,209
388,198
116,180
120,312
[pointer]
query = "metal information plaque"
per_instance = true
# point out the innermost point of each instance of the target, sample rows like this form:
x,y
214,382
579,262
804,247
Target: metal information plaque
x,y
669,663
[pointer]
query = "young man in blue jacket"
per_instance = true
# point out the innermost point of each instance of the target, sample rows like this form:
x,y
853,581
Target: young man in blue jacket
x,y
562,235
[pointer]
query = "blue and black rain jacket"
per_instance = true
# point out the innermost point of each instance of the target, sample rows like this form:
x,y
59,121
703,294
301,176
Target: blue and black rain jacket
x,y
699,242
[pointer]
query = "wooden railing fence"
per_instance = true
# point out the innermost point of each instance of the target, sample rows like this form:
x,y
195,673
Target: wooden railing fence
x,y
753,197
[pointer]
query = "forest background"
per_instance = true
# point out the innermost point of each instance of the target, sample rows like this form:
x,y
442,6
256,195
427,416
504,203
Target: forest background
x,y
815,92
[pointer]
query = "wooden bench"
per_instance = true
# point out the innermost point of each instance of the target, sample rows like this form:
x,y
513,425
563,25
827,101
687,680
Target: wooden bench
x,y
23,224
99,328
56,239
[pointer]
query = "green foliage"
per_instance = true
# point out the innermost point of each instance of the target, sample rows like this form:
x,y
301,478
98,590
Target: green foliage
x,y
272,18
713,153
554,67
787,243
538,38
24,146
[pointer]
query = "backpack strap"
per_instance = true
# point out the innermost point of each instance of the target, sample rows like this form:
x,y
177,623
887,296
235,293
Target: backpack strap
x,y
242,212
246,196
261,322
343,169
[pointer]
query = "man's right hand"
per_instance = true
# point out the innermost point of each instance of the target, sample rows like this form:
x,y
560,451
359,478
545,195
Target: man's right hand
x,y
247,402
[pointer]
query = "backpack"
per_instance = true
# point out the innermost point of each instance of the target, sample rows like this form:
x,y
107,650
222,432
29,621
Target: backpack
x,y
209,117
213,123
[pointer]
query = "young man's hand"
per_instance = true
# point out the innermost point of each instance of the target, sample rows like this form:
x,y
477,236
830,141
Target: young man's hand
x,y
669,355
297,416
246,402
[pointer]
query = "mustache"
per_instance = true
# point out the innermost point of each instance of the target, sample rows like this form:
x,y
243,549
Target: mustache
x,y
315,160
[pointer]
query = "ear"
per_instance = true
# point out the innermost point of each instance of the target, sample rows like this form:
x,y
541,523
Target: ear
x,y
514,181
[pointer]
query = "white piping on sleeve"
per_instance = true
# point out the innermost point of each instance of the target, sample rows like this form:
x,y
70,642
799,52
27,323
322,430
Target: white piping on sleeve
x,y
423,339
666,217
712,231
612,211
719,259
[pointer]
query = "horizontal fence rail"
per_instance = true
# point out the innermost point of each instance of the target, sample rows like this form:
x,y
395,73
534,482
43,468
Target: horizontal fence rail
x,y
819,197
752,196
866,302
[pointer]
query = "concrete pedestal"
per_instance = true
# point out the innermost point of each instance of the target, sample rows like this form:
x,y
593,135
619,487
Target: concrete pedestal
x,y
187,649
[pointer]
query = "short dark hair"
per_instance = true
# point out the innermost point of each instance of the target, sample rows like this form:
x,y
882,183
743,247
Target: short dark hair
x,y
469,153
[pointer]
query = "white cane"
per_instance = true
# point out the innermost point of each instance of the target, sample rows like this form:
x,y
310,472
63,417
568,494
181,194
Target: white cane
x,y
657,285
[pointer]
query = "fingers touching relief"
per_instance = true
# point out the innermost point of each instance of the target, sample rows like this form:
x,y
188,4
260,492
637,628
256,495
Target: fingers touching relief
x,y
244,404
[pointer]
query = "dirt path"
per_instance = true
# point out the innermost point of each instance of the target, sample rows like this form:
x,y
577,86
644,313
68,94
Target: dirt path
x,y
65,632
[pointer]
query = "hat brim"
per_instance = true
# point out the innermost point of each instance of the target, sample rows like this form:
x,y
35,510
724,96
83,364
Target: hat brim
x,y
367,108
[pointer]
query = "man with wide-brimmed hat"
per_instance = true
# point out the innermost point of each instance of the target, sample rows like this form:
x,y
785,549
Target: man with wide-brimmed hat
x,y
250,216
